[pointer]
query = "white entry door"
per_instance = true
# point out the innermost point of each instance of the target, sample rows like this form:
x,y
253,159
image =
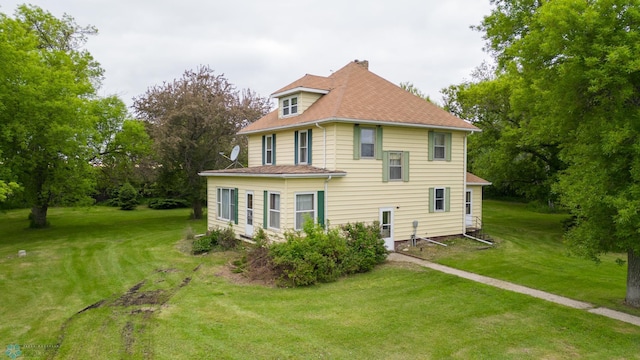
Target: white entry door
x,y
386,227
248,228
468,208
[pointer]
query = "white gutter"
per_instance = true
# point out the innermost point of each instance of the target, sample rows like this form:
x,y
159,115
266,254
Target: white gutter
x,y
278,176
324,145
359,121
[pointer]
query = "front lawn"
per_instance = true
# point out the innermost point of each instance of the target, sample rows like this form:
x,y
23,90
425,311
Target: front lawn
x,y
103,284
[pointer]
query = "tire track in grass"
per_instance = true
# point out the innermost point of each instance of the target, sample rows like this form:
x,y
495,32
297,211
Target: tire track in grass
x,y
130,317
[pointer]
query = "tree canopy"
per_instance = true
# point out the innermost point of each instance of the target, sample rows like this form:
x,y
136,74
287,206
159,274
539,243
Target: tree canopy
x,y
574,73
192,120
48,108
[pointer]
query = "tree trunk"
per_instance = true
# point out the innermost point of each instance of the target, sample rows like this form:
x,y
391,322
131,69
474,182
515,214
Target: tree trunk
x,y
197,209
39,216
633,279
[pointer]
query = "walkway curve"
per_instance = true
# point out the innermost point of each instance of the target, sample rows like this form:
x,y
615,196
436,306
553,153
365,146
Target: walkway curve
x,y
505,285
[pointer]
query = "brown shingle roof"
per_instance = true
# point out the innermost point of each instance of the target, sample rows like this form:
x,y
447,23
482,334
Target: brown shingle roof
x,y
476,180
280,171
358,95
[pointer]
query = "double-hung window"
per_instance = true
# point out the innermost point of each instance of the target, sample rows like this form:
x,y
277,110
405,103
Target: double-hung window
x,y
274,210
290,106
367,142
305,207
439,146
395,166
227,204
439,199
269,149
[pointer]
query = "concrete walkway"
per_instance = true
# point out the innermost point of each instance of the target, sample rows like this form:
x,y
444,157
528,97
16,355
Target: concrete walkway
x,y
631,319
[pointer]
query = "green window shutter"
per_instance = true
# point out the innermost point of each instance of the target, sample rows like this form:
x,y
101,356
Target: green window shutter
x,y
448,146
378,148
273,146
295,148
235,201
447,201
309,149
432,200
405,166
385,166
265,210
321,208
431,143
356,142
264,148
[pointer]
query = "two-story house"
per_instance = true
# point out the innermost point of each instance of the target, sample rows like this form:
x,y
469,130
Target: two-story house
x,y
351,147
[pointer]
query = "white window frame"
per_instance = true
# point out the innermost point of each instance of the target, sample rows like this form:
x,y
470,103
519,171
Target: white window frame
x,y
436,146
400,153
288,106
272,211
373,142
230,206
312,212
303,136
268,150
443,199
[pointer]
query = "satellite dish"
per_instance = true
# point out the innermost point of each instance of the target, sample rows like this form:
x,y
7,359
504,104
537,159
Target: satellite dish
x,y
234,153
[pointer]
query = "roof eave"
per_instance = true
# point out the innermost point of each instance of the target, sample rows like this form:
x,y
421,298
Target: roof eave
x,y
357,121
298,90
276,176
480,183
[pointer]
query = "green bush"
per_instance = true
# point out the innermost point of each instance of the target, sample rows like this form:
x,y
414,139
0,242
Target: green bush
x,y
365,247
202,244
163,204
127,197
310,258
215,238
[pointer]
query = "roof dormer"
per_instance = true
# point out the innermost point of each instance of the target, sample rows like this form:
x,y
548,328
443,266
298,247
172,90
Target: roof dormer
x,y
295,101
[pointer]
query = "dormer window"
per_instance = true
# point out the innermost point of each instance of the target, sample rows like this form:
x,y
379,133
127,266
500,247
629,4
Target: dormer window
x,y
290,106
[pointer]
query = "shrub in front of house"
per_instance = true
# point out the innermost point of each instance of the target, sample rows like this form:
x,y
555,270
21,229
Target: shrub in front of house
x,y
215,239
365,247
324,256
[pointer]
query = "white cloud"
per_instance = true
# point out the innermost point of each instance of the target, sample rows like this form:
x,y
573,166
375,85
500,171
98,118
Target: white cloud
x,y
265,45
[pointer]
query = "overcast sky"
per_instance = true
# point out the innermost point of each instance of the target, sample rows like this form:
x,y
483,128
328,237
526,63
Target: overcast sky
x,y
264,45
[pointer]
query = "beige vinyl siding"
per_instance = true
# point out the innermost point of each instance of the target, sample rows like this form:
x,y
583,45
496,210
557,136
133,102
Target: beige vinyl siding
x,y
287,188
476,198
359,195
305,100
254,152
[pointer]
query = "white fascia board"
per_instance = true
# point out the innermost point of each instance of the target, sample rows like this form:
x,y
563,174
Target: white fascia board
x,y
276,176
298,90
358,121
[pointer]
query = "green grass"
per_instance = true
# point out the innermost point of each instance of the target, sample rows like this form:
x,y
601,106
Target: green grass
x,y
131,267
531,252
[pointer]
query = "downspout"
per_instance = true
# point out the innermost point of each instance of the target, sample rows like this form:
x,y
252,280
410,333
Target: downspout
x,y
324,146
464,188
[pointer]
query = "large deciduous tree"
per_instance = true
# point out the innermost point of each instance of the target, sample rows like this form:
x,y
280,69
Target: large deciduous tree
x,y
192,120
519,160
577,71
46,80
